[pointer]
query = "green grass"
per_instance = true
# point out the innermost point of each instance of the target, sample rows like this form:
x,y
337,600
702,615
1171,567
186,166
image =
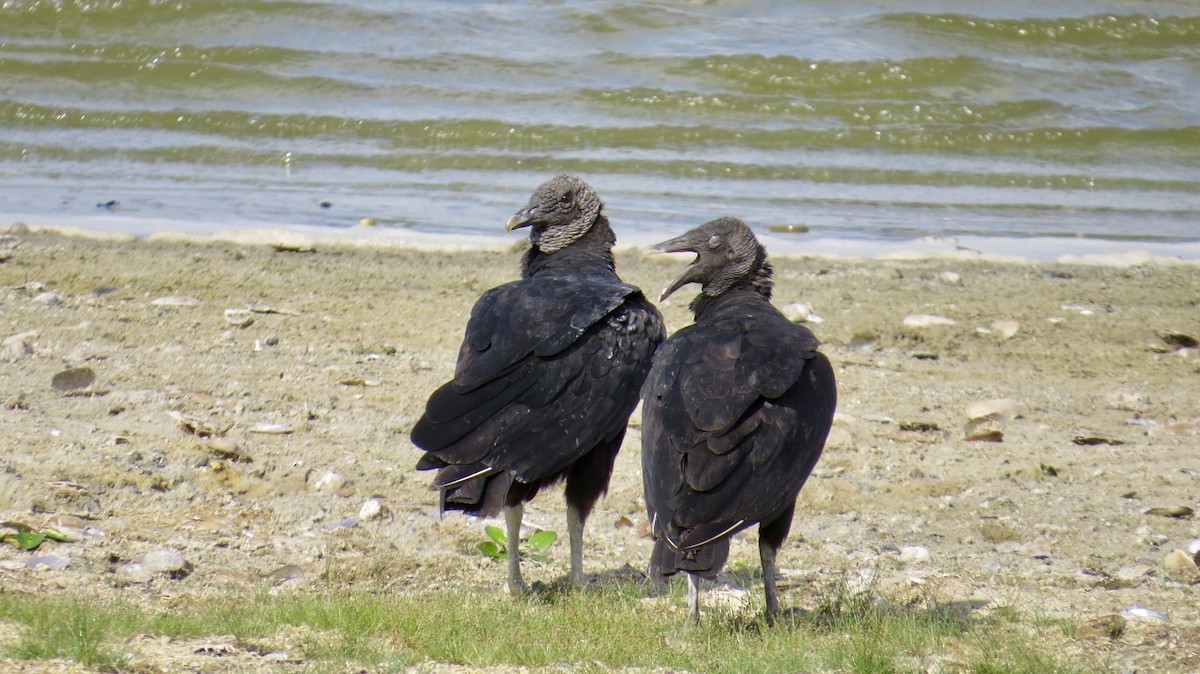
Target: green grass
x,y
597,628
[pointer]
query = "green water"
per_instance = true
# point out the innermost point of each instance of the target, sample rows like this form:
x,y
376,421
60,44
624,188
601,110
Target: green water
x,y
881,121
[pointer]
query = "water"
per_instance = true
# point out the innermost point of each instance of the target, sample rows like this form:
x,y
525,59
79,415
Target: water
x,y
1029,127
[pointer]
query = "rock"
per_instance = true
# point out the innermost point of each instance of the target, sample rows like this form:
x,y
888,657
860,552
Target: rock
x,y
272,429
166,561
228,448
915,554
242,318
372,509
53,562
1176,511
1005,329
73,379
133,572
1178,340
1181,566
1143,612
329,483
50,298
798,312
1193,547
1109,626
927,320
949,278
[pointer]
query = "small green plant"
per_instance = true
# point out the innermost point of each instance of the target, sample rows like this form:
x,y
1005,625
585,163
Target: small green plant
x,y
26,538
530,548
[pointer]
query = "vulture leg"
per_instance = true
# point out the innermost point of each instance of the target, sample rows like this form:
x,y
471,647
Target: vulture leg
x,y
512,520
693,618
770,537
575,534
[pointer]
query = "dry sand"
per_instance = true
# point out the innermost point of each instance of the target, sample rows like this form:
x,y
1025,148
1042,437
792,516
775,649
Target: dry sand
x,y
1101,426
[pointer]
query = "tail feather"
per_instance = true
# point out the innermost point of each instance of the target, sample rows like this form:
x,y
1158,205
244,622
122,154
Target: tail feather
x,y
705,562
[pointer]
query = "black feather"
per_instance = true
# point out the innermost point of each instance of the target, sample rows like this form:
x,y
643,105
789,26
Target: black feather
x,y
549,368
736,411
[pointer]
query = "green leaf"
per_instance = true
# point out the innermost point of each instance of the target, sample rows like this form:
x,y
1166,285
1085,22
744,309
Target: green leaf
x,y
542,540
18,526
56,535
540,558
496,534
492,550
29,540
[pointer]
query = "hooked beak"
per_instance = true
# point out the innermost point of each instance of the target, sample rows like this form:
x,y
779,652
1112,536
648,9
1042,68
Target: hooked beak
x,y
522,218
680,244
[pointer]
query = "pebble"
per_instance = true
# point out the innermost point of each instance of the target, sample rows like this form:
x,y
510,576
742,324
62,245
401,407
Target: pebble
x,y
371,509
50,298
344,523
1142,612
1182,566
73,379
53,562
927,320
284,573
1005,329
1193,547
133,572
166,560
949,278
272,429
176,301
799,312
1177,511
228,448
242,318
329,483
915,554
1178,340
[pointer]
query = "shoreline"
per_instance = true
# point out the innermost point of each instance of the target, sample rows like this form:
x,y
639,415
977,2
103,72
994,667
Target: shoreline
x,y
1052,250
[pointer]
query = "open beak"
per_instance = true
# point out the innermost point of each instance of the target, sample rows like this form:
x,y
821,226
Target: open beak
x,y
680,244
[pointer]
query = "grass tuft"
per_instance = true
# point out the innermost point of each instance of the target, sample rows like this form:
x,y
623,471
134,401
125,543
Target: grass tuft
x,y
612,626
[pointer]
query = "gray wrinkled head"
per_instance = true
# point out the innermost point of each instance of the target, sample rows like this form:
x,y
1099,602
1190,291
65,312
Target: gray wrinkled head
x,y
727,254
561,210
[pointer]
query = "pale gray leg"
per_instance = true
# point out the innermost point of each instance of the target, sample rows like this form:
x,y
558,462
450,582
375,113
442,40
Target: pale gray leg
x,y
767,553
575,534
693,600
512,521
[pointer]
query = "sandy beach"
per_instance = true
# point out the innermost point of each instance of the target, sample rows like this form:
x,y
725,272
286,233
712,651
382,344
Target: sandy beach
x,y
1009,434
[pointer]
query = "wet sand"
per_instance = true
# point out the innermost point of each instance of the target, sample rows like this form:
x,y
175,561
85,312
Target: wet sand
x,y
250,398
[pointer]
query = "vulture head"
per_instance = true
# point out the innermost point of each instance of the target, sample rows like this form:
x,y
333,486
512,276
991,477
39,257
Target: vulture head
x,y
561,211
727,256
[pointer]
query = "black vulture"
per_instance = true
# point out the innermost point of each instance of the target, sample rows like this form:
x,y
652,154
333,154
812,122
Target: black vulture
x,y
548,373
735,414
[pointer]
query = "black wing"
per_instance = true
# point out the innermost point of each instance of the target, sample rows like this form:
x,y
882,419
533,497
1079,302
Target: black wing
x,y
736,412
548,369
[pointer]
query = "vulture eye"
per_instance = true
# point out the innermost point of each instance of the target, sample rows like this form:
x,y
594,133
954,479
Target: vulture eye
x,y
566,199
714,241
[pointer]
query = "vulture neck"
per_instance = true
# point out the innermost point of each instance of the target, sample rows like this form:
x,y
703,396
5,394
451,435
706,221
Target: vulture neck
x,y
755,288
590,253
